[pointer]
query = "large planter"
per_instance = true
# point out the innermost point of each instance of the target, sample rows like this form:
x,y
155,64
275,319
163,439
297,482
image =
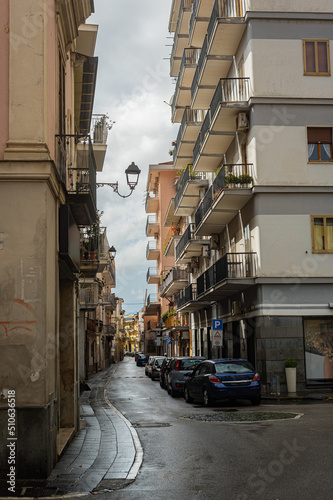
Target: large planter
x,y
291,379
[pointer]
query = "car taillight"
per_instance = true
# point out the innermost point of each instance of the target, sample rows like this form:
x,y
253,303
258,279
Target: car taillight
x,y
214,380
177,365
256,377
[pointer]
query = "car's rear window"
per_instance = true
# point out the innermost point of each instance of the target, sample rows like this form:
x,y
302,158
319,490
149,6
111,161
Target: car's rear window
x,y
189,364
234,367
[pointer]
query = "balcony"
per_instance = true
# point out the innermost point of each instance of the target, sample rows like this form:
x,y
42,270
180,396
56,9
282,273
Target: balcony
x,y
100,127
152,250
189,246
173,281
229,193
226,26
93,258
88,297
201,13
220,124
151,202
182,95
110,329
232,273
188,196
208,70
170,241
109,301
187,135
153,305
77,169
153,278
109,273
170,218
152,225
187,299
180,36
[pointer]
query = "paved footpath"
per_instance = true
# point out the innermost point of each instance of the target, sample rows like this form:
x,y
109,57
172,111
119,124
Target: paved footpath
x,y
106,454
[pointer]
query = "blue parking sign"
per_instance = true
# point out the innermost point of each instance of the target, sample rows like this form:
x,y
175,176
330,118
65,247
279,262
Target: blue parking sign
x,y
217,324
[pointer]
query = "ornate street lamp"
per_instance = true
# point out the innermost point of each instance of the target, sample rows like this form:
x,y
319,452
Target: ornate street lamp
x,y
112,251
132,176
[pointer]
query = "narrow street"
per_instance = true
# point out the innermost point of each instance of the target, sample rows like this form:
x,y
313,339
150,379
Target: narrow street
x,y
183,459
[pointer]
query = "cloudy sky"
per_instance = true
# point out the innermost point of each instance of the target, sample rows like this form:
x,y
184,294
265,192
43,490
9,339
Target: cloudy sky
x,y
133,47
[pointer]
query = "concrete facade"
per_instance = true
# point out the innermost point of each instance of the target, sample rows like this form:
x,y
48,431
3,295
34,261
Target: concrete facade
x,y
264,267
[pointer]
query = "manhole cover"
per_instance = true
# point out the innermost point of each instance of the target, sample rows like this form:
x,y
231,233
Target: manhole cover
x,y
249,416
150,424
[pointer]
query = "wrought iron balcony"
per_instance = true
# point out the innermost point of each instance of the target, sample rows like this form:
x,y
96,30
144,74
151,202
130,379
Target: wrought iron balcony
x,y
198,23
232,273
189,246
153,305
152,250
180,36
88,297
110,329
152,225
182,94
153,278
109,301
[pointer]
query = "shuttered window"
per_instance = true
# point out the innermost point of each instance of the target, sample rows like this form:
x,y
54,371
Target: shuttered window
x,y
320,144
316,57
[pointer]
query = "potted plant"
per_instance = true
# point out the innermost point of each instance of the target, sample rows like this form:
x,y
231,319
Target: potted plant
x,y
245,179
231,179
290,369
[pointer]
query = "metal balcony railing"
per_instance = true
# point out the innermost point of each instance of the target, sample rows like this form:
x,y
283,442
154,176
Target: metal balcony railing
x,y
109,300
189,116
197,147
193,15
151,273
186,237
204,206
230,90
231,266
89,295
189,294
226,9
174,274
173,231
184,4
82,177
152,299
151,246
187,175
230,176
150,195
99,129
151,220
110,329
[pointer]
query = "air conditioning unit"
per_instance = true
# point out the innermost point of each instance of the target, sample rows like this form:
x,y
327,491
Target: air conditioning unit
x,y
242,122
215,242
236,308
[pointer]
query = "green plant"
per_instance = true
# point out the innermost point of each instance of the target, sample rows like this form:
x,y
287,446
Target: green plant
x,y
245,179
165,316
290,363
231,179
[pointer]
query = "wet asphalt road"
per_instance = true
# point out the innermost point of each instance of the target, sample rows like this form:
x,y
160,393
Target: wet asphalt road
x,y
190,460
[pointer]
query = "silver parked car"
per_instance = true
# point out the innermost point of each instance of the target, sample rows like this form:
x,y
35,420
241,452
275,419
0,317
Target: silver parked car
x,y
156,367
178,368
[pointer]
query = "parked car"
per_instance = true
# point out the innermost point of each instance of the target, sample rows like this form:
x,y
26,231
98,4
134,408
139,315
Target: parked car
x,y
178,368
149,365
164,369
142,360
137,354
220,379
156,367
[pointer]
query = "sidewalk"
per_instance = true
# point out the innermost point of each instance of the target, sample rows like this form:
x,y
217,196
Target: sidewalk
x,y
106,454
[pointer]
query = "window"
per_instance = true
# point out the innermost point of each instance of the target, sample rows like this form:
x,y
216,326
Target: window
x,y
322,233
316,57
319,144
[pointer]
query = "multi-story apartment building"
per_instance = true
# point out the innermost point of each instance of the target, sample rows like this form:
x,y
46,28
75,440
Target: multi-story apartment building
x,y
165,331
253,97
48,164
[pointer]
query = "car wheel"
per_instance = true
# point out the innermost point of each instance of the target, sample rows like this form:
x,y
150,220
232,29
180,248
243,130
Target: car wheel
x,y
153,378
161,384
207,400
173,394
256,401
168,389
187,396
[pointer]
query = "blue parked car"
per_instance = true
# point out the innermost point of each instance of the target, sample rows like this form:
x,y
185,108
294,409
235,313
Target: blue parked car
x,y
142,359
221,379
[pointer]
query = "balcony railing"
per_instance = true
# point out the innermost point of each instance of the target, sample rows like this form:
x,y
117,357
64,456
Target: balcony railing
x,y
89,296
173,274
187,175
186,237
82,177
184,4
152,300
231,176
109,300
99,129
193,15
173,231
110,329
190,116
230,266
152,273
189,294
151,196
226,9
230,90
152,246
189,58
152,220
